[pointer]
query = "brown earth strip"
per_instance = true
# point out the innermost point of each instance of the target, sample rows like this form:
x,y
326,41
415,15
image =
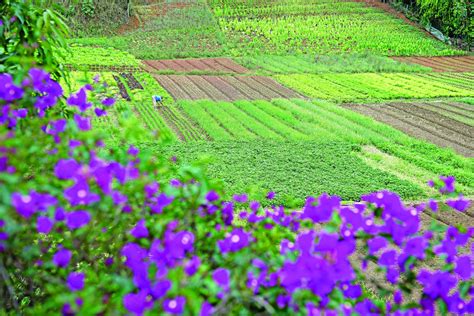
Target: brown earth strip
x,y
243,87
411,121
224,88
172,87
231,92
435,117
213,65
449,108
442,64
121,86
214,93
187,84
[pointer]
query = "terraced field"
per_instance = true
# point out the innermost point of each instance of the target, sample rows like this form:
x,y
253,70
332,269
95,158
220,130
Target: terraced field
x,y
224,88
208,65
381,86
309,97
442,64
447,124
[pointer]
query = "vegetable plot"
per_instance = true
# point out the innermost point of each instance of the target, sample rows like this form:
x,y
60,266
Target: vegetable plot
x,y
340,30
372,86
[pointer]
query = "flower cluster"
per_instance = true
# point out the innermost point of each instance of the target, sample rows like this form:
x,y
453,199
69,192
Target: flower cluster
x,y
100,230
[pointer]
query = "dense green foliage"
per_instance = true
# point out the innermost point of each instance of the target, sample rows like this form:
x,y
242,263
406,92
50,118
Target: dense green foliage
x,y
367,86
191,31
294,170
30,35
453,17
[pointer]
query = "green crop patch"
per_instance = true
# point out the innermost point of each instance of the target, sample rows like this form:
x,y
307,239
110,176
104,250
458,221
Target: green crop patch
x,y
85,57
299,120
293,169
349,63
375,86
321,27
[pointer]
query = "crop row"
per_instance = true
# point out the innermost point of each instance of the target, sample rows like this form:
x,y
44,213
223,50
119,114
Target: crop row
x,y
352,87
186,130
287,8
375,32
302,120
82,56
348,63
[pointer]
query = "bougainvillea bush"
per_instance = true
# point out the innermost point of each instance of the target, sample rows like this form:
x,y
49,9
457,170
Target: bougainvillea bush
x,y
91,229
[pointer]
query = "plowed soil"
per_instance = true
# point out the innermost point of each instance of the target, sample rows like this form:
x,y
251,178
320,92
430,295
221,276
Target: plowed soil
x,y
442,64
446,124
210,65
224,88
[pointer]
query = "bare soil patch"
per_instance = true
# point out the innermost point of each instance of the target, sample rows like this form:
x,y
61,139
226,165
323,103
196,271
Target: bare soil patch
x,y
210,65
224,88
422,120
442,64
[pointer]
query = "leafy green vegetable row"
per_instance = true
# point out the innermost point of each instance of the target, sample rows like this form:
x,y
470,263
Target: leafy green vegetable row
x,y
350,63
373,86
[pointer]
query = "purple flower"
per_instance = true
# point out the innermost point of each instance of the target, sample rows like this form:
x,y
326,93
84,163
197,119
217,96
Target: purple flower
x,y
240,198
448,184
222,277
460,204
464,267
56,127
79,194
108,102
137,303
436,284
270,195
321,212
160,289
44,224
375,244
75,281
236,241
77,219
174,306
100,112
206,309
212,196
25,205
79,99
140,230
192,266
433,205
62,257
83,123
66,169
416,247
133,151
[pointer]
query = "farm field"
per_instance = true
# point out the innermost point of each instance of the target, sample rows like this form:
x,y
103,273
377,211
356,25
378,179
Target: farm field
x,y
258,72
442,64
224,88
447,124
236,157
